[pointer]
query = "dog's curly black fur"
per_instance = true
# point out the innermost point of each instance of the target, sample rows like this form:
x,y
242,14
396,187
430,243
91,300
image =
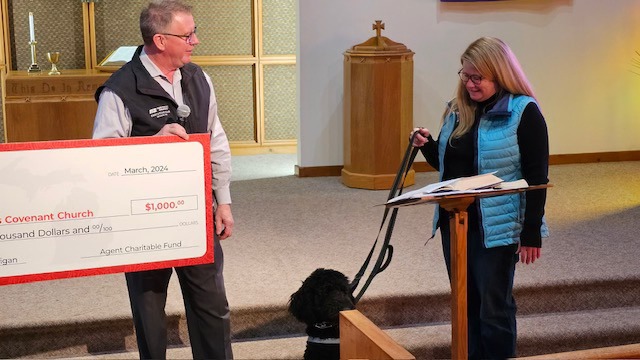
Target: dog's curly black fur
x,y
318,303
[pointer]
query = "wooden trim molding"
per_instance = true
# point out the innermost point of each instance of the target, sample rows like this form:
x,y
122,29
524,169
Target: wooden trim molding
x,y
318,171
630,351
422,166
89,33
5,39
560,159
268,148
612,156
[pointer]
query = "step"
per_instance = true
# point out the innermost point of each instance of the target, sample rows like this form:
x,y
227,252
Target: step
x,y
538,334
96,335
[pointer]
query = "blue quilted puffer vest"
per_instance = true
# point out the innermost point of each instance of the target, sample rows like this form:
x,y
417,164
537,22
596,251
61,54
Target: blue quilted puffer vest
x,y
501,217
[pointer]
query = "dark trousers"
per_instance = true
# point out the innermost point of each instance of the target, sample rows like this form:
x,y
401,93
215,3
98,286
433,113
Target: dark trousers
x,y
491,306
205,302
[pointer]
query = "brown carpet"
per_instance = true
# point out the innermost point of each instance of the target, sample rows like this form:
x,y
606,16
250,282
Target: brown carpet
x,y
286,227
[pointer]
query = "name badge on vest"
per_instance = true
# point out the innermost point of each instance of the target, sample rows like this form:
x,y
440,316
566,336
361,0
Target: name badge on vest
x,y
159,112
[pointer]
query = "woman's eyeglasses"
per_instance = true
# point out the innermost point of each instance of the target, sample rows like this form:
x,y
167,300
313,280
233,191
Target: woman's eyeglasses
x,y
476,79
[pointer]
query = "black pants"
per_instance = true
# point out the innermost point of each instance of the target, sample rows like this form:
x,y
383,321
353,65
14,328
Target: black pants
x,y
491,306
205,304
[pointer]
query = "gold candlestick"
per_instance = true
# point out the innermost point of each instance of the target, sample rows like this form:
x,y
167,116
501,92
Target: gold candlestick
x,y
34,63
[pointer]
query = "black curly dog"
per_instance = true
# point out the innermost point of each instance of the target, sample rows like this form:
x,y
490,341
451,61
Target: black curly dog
x,y
318,303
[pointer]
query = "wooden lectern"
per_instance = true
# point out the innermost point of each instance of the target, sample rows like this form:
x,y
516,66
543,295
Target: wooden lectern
x,y
457,205
378,111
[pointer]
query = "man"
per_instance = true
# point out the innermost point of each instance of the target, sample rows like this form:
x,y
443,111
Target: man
x,y
159,75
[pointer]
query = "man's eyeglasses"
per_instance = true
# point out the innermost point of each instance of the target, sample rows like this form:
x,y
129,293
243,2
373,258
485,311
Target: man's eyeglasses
x,y
476,79
189,39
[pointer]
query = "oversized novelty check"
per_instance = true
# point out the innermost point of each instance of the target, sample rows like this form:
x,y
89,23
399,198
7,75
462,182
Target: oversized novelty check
x,y
88,207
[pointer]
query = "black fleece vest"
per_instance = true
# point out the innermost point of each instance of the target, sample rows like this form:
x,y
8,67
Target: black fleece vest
x,y
150,106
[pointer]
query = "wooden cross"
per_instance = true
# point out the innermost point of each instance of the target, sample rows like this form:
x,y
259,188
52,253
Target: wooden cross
x,y
378,26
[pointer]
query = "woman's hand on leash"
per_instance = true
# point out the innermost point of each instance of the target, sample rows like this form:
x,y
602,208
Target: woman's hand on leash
x,y
421,137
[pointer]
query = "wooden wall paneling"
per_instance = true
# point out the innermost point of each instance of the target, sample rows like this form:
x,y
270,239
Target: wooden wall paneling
x,y
115,24
59,26
5,47
279,105
270,20
232,34
89,34
225,28
234,86
2,111
4,42
4,31
278,28
259,90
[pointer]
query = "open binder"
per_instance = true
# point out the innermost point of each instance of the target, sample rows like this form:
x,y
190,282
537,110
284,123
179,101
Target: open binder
x,y
483,183
117,58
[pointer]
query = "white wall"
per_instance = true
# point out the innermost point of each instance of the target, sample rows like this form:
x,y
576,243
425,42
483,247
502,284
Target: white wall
x,y
578,54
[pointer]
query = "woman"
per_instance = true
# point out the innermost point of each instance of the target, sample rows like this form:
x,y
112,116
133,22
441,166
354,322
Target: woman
x,y
493,124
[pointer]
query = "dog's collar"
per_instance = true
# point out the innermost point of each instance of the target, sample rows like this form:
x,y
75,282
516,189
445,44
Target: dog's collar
x,y
324,325
318,340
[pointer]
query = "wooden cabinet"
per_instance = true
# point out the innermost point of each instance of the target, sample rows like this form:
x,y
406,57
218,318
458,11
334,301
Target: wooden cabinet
x,y
378,111
42,107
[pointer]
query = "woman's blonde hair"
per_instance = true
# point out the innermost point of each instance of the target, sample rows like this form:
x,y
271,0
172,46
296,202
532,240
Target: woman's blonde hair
x,y
495,61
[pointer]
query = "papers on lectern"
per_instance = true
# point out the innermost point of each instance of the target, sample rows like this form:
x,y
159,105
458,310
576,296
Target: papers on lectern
x,y
463,185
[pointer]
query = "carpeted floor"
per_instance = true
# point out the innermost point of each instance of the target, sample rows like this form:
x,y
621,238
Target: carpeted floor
x,y
252,167
287,226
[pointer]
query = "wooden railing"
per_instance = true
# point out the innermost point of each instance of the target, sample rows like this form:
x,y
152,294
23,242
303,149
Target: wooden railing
x,y
362,339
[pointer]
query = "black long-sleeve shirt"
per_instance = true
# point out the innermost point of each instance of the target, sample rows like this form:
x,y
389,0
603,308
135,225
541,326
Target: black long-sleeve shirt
x,y
533,142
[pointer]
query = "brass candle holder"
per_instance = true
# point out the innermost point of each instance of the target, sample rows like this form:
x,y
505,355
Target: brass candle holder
x,y
34,68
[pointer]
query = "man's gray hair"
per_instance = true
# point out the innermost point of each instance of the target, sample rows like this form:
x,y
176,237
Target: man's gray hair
x,y
157,16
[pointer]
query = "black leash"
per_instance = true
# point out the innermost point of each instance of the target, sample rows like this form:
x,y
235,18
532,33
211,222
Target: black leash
x,y
386,252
